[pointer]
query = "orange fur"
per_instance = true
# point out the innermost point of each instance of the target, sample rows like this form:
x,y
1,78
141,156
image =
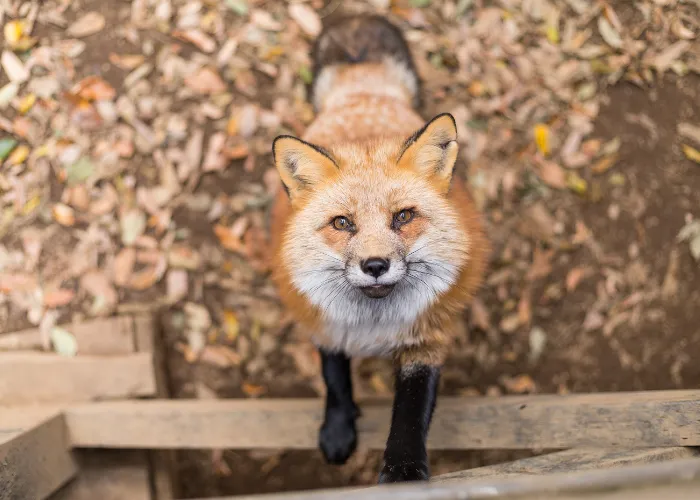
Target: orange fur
x,y
364,132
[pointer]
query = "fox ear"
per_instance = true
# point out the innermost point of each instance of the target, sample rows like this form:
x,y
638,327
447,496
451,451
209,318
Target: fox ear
x,y
433,150
300,164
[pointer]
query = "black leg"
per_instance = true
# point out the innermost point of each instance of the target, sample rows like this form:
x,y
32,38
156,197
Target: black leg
x,y
338,437
405,457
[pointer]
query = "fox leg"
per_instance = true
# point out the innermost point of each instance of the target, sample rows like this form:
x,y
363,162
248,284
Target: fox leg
x,y
405,455
338,436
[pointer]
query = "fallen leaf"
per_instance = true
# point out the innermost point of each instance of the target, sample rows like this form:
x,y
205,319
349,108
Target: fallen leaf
x,y
665,59
537,341
576,183
205,81
541,264
94,88
197,38
687,130
18,156
99,286
252,390
519,385
146,278
176,285
593,321
552,175
14,68
541,133
680,30
80,171
63,341
240,7
124,266
58,298
609,34
133,224
26,103
582,233
8,93
17,35
574,277
264,20
306,18
215,160
231,325
87,25
63,214
7,144
604,164
17,282
480,315
691,153
184,257
126,62
510,323
220,356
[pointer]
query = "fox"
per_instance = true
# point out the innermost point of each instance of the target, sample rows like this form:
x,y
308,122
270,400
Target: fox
x,y
376,249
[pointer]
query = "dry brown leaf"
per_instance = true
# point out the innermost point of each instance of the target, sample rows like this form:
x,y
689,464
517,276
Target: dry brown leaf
x,y
14,68
215,160
220,356
87,25
197,38
205,81
604,164
126,62
176,285
58,298
124,266
689,131
520,384
17,282
252,390
63,214
145,278
574,277
525,307
306,18
541,264
665,59
510,323
552,175
480,315
99,286
184,257
94,88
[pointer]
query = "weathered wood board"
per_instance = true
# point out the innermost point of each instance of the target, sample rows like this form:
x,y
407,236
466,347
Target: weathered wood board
x,y
35,457
573,460
625,420
100,337
672,480
33,377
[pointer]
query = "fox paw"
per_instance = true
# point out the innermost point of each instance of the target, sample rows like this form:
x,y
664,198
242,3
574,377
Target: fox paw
x,y
405,472
338,437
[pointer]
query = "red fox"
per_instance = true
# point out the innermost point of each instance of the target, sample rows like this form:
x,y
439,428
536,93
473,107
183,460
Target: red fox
x,y
376,250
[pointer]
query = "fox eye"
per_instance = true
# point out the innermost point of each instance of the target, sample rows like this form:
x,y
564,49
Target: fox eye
x,y
403,217
342,223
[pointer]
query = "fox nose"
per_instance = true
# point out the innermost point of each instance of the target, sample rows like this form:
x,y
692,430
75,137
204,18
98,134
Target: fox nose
x,y
375,266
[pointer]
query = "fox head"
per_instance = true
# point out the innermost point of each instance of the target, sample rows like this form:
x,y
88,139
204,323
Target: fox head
x,y
373,236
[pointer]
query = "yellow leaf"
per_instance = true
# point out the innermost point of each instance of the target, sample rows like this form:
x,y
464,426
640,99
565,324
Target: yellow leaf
x,y
552,34
576,183
231,325
14,30
26,103
604,164
542,138
691,153
18,155
31,205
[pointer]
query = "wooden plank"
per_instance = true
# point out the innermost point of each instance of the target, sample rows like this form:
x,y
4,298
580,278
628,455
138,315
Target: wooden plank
x,y
29,377
35,457
676,477
162,463
576,459
108,475
104,336
629,420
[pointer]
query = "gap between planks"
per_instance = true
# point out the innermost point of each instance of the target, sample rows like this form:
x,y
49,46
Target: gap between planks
x,y
625,420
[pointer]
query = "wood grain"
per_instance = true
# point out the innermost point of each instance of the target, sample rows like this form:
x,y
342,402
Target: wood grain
x,y
576,459
676,479
35,457
32,377
105,336
628,420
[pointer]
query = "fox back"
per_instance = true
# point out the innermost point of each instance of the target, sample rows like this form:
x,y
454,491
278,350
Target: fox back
x,y
375,247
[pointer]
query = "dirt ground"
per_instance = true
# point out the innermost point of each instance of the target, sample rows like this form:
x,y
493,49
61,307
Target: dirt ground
x,y
146,188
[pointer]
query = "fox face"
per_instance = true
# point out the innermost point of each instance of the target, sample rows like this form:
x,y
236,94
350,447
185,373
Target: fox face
x,y
373,238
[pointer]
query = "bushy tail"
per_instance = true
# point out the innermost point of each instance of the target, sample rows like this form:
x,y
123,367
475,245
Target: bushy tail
x,y
365,38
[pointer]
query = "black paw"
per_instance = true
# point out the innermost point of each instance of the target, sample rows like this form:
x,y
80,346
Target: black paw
x,y
338,437
405,472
